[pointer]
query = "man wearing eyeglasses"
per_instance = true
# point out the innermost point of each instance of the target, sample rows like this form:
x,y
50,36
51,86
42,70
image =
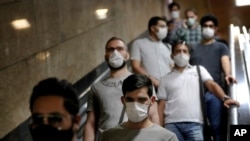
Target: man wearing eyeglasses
x,y
214,56
54,107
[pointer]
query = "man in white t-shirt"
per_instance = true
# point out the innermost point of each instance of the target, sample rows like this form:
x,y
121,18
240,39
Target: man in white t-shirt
x,y
149,55
179,96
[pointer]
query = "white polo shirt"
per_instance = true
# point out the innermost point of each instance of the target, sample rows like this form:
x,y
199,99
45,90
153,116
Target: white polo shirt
x,y
182,95
154,56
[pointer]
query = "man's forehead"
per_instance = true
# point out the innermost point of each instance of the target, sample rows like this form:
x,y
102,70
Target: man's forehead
x,y
181,47
116,44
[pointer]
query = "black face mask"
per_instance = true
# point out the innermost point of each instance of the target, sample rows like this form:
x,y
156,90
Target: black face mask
x,y
49,133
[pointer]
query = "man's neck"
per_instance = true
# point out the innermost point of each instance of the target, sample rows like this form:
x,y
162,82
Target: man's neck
x,y
139,125
208,41
179,69
119,73
154,37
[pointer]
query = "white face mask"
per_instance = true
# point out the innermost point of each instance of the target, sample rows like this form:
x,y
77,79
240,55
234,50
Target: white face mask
x,y
136,112
207,33
191,21
181,59
115,59
175,14
162,33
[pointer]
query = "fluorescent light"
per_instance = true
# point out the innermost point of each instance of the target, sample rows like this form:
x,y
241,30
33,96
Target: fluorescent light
x,y
20,24
101,13
242,2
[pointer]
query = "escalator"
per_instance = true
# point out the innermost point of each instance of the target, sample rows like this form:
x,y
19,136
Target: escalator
x,y
240,62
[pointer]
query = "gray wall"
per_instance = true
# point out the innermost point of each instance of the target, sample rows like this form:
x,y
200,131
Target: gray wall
x,y
65,40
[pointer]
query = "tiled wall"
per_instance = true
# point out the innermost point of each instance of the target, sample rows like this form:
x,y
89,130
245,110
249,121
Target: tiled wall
x,y
65,40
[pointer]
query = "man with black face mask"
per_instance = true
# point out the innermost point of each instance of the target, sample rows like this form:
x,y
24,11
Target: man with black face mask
x,y
54,107
104,107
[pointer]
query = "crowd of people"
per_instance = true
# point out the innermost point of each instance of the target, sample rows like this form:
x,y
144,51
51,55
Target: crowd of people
x,y
160,100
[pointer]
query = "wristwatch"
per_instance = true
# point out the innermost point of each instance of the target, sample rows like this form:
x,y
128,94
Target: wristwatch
x,y
225,97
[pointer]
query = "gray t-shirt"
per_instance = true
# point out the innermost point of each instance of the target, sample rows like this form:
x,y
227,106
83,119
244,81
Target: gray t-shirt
x,y
105,98
182,95
209,56
152,133
154,56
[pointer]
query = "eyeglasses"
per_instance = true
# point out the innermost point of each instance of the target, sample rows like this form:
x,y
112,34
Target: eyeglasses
x,y
52,119
205,25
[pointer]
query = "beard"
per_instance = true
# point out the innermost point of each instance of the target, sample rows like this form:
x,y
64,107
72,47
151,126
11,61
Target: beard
x,y
118,68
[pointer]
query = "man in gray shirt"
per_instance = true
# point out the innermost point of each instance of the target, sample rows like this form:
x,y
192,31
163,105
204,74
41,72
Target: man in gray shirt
x,y
104,107
138,98
149,55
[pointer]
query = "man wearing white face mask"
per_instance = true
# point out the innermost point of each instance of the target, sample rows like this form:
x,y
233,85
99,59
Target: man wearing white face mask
x,y
137,99
149,55
104,107
180,108
191,30
214,56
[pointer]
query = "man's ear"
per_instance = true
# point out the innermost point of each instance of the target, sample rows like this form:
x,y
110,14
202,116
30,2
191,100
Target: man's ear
x,y
172,56
127,56
152,100
76,123
123,100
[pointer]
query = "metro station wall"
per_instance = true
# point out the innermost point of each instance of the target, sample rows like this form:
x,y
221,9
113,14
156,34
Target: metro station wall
x,y
65,40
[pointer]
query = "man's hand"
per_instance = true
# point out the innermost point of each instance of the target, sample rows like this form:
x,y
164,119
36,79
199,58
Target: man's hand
x,y
230,79
229,102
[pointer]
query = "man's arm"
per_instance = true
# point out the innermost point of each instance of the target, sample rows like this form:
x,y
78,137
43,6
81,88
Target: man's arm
x,y
161,108
227,69
89,128
218,91
137,68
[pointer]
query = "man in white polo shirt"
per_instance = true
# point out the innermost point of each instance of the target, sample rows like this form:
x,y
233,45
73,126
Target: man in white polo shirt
x,y
179,96
149,55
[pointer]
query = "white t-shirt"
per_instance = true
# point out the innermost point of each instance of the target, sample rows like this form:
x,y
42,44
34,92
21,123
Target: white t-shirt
x,y
182,95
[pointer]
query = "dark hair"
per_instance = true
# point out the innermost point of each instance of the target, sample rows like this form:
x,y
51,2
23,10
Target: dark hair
x,y
192,10
171,5
137,81
154,21
178,43
115,38
209,17
54,87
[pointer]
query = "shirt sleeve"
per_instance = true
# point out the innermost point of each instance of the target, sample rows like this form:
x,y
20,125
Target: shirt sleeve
x,y
224,50
162,93
135,51
205,75
91,99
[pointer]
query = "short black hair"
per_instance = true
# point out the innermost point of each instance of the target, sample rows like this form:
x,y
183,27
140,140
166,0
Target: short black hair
x,y
154,21
209,17
171,5
54,87
178,43
115,38
137,81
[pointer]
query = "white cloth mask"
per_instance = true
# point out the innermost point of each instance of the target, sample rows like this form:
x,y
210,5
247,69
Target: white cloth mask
x,y
175,14
136,112
115,59
181,59
191,21
207,33
162,33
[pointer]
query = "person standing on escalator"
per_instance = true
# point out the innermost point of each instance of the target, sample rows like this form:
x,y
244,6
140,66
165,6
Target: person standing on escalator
x,y
214,56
